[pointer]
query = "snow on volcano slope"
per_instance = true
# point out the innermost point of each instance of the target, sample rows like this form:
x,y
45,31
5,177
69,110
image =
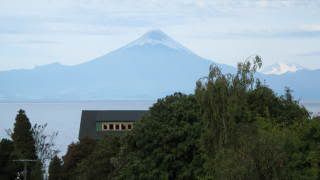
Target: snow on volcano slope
x,y
281,68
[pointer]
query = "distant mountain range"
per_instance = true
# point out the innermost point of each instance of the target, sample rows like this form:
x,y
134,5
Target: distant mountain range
x,y
304,83
148,68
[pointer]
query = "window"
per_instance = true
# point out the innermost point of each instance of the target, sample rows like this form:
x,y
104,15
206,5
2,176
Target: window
x,y
114,126
98,126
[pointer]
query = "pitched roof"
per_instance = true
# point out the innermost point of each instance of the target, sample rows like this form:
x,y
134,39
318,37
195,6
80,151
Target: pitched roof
x,y
89,118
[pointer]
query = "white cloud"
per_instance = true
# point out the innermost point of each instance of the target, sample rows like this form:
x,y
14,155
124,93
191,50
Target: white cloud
x,y
311,27
200,3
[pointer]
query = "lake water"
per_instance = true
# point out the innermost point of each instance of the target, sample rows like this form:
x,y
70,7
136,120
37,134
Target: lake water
x,y
64,117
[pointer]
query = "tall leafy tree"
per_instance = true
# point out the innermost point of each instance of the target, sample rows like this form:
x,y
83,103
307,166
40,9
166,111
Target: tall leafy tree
x,y
236,111
55,168
163,144
76,153
101,163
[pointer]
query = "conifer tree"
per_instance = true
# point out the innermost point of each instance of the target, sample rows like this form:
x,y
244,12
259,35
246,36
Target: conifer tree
x,y
23,140
24,145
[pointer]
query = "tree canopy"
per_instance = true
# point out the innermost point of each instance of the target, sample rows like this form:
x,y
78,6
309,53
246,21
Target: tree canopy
x,y
232,127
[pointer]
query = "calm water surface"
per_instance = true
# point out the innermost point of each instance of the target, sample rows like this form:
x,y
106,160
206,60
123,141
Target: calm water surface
x,y
64,117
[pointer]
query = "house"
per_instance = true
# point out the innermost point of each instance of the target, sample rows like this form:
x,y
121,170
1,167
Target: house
x,y
96,123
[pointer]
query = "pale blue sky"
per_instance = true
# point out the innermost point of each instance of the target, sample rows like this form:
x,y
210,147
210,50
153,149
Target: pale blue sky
x,y
37,32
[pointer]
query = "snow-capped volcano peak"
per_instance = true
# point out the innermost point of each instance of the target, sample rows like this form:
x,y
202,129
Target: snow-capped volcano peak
x,y
157,37
281,68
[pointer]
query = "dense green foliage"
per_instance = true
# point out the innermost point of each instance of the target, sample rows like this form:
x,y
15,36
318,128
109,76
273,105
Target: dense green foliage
x,y
164,143
247,129
101,162
7,170
232,127
55,169
76,153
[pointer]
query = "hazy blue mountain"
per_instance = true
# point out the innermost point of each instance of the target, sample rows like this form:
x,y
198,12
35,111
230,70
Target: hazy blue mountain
x,y
304,83
150,67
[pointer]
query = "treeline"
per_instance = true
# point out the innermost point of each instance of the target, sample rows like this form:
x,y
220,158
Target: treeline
x,y
232,127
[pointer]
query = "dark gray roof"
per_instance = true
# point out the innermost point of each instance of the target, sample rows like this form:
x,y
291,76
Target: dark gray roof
x,y
90,117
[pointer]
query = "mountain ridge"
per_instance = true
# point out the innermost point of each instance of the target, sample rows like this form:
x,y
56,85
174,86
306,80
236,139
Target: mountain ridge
x,y
139,71
148,68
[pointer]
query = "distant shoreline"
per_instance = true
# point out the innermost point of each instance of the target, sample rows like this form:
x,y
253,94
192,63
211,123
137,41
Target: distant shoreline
x,y
73,101
310,102
102,101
